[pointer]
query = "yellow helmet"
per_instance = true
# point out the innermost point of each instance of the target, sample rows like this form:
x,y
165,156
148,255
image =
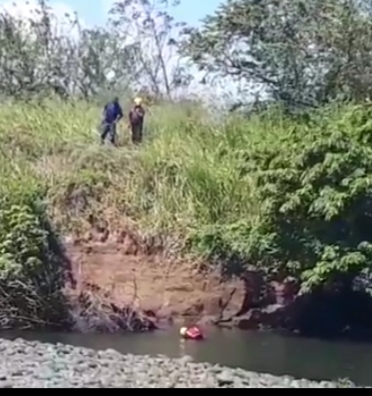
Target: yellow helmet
x,y
183,331
137,101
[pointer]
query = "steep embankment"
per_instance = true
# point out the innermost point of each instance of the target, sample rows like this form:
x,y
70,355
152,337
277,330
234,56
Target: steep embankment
x,y
275,202
165,289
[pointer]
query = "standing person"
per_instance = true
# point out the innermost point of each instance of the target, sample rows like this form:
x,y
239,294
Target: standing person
x,y
112,114
136,119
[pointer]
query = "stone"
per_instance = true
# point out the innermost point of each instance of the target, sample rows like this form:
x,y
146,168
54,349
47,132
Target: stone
x,y
25,364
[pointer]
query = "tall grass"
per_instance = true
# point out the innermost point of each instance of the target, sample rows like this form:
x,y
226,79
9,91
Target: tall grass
x,y
187,179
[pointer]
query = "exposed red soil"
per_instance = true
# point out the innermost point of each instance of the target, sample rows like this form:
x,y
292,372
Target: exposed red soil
x,y
167,289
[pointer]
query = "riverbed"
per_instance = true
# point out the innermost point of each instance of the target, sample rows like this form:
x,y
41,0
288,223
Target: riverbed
x,y
33,364
256,352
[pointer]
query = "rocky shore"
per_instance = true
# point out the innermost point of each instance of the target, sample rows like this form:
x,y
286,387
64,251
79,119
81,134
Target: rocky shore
x,y
31,364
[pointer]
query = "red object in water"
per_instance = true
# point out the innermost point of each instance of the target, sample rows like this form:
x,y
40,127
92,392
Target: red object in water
x,y
193,333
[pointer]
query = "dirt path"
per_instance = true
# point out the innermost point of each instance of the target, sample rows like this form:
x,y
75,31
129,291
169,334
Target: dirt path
x,y
168,289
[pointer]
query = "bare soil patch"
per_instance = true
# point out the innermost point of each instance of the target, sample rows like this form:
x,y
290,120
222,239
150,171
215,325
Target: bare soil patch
x,y
132,274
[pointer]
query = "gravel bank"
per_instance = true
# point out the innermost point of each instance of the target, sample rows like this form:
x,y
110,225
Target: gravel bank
x,y
31,364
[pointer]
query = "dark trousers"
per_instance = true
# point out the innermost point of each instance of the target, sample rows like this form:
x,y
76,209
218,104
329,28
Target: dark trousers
x,y
108,131
137,132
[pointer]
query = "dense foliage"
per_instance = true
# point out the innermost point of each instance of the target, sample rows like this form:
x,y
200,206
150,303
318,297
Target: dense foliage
x,y
317,198
32,270
40,55
303,54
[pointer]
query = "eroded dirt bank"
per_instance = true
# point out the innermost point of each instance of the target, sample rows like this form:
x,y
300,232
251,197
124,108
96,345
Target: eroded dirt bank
x,y
139,281
165,289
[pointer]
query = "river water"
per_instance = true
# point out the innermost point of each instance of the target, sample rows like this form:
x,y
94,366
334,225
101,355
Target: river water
x,y
262,352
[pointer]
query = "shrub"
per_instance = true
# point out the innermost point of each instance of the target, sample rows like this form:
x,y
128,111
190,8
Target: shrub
x,y
32,272
315,188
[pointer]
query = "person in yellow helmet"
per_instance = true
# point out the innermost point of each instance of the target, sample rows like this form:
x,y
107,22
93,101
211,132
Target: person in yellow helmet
x,y
136,120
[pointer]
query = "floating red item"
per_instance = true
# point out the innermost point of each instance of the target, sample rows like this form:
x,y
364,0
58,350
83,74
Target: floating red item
x,y
191,333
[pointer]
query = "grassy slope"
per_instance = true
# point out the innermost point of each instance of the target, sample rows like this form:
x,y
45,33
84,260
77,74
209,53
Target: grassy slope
x,y
186,176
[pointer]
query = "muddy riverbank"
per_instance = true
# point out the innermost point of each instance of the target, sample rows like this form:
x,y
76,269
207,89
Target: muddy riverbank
x,y
124,282
164,289
127,271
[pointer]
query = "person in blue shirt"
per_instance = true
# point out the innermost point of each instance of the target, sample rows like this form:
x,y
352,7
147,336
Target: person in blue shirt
x,y
112,114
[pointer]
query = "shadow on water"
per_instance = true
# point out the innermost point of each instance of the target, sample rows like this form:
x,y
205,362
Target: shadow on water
x,y
262,352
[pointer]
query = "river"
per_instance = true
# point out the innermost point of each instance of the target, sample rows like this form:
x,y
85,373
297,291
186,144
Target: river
x,y
261,352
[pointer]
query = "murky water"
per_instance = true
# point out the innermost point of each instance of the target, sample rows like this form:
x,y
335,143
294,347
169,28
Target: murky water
x,y
262,352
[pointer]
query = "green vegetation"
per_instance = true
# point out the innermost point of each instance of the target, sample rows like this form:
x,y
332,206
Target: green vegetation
x,y
287,195
32,268
287,189
301,54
